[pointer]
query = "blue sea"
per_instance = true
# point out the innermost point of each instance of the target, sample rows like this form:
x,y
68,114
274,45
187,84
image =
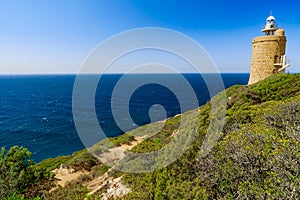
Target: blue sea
x,y
36,110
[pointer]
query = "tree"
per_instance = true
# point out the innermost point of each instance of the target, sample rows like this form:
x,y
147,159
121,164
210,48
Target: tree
x,y
17,176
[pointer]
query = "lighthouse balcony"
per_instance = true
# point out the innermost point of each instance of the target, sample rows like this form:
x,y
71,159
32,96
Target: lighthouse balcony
x,y
282,65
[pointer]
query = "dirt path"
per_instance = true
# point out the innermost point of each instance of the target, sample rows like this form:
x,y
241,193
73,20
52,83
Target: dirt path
x,y
115,188
65,178
118,153
65,175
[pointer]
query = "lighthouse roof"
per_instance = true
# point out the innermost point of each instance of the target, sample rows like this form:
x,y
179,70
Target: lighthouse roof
x,y
271,18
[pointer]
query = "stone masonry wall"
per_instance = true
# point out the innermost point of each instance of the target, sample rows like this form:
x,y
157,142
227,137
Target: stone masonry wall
x,y
266,50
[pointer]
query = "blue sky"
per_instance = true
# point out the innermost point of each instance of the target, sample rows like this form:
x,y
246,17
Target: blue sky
x,y
55,36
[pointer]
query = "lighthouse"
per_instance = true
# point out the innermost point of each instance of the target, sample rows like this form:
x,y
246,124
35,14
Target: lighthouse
x,y
268,52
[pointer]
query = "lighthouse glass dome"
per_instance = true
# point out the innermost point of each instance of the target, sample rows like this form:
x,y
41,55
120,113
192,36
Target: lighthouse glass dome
x,y
271,20
270,26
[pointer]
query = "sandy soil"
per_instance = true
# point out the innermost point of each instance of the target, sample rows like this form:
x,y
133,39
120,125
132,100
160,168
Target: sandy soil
x,y
65,178
65,175
118,153
115,188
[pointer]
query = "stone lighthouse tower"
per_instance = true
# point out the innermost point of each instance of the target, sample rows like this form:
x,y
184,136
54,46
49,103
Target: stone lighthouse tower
x,y
268,52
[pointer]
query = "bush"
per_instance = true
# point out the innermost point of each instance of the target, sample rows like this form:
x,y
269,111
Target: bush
x,y
17,176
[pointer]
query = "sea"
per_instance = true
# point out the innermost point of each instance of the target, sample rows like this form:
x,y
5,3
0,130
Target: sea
x,y
36,110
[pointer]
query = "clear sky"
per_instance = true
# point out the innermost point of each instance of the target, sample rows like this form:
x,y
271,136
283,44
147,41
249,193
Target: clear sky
x,y
55,36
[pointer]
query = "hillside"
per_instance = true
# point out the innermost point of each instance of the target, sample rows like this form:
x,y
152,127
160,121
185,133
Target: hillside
x,y
256,155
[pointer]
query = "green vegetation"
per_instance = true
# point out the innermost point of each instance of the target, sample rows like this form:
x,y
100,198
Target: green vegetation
x,y
17,178
159,140
75,192
257,155
78,160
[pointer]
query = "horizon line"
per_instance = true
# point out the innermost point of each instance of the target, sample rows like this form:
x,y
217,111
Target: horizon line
x,y
156,73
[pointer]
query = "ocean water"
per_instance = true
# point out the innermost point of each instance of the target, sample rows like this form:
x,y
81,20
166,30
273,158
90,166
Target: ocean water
x,y
36,110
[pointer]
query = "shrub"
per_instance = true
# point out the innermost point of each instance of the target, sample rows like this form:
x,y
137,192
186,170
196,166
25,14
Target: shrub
x,y
17,176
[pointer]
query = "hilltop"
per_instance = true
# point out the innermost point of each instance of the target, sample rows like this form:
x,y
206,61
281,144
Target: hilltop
x,y
256,155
